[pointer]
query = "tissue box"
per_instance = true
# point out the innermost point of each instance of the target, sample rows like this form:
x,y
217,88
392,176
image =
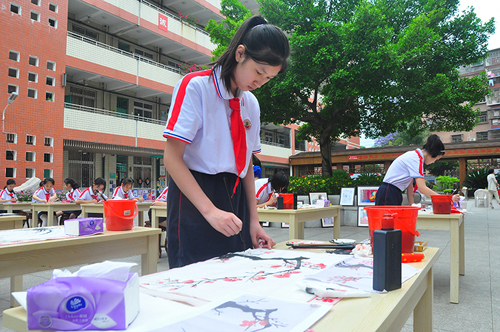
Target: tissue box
x,y
83,226
83,303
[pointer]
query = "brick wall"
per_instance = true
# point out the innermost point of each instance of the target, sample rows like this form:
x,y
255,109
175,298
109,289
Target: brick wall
x,y
28,116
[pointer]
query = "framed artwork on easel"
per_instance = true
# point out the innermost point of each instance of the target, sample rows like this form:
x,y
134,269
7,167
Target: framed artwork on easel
x,y
347,196
366,195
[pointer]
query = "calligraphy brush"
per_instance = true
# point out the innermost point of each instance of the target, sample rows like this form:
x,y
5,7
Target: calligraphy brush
x,y
232,209
102,196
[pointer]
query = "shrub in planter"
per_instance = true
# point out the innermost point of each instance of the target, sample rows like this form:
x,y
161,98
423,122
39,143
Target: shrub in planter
x,y
476,180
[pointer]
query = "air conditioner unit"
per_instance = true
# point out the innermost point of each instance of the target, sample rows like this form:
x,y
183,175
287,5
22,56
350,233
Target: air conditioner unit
x,y
472,139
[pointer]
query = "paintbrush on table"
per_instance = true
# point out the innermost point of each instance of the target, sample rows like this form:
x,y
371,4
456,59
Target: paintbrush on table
x,y
320,246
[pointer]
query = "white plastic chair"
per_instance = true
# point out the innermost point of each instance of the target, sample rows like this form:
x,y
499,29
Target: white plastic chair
x,y
481,196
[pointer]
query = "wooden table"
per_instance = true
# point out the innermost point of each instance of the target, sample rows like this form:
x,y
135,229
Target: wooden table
x,y
157,212
30,257
380,312
297,218
455,224
10,207
384,312
99,208
50,208
11,222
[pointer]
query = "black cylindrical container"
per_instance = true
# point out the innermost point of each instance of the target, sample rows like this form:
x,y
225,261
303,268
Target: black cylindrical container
x,y
279,204
387,256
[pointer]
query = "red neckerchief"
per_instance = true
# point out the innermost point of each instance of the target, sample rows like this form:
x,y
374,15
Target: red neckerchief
x,y
47,195
70,195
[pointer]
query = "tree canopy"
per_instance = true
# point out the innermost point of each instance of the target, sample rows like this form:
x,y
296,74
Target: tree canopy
x,y
373,67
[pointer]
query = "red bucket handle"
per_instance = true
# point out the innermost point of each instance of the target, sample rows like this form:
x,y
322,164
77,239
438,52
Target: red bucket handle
x,y
406,227
136,211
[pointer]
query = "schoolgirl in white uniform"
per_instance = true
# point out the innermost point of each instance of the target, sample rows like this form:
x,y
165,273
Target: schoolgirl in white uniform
x,y
93,194
7,194
125,191
72,195
407,167
45,194
264,189
212,130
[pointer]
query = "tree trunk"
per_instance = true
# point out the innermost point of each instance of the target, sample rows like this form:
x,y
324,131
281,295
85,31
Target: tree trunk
x,y
325,146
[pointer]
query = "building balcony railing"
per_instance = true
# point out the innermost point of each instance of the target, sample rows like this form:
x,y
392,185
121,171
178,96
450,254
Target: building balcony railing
x,y
113,113
122,52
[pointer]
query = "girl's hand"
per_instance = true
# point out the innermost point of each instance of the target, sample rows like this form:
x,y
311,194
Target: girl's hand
x,y
256,233
224,222
455,198
95,201
141,199
272,200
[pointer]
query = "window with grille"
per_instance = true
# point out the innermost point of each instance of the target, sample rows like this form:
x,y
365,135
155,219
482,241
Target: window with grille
x,y
11,138
10,155
47,157
144,54
14,56
48,141
35,2
482,136
15,8
456,138
13,72
83,97
10,172
30,139
32,93
483,117
33,61
49,81
30,173
49,96
11,88
30,156
47,173
143,109
53,22
33,77
53,7
35,16
51,65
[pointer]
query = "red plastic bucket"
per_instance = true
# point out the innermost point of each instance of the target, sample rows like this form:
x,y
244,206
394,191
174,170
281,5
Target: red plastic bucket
x,y
441,204
287,201
405,219
120,214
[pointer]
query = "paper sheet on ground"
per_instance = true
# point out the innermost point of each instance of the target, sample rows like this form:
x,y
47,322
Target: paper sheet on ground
x,y
357,273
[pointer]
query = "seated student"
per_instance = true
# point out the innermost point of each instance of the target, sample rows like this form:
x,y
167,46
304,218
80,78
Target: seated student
x,y
93,194
125,191
264,189
7,195
257,167
160,201
45,194
72,195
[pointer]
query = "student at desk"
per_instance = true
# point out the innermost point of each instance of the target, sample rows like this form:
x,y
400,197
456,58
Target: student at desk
x,y
71,196
7,195
93,194
407,167
265,188
125,191
45,194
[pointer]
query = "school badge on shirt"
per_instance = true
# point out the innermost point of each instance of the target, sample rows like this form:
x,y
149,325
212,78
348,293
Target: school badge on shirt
x,y
247,123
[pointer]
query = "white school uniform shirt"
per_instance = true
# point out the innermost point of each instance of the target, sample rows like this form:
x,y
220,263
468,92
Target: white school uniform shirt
x,y
263,190
163,196
119,193
88,195
5,194
73,195
405,168
200,116
43,194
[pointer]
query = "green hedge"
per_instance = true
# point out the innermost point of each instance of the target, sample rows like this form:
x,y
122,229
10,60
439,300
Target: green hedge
x,y
317,183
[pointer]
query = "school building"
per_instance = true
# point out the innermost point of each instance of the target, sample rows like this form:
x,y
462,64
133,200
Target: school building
x,y
94,80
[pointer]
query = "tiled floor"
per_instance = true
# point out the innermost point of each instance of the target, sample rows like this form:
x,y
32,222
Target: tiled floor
x,y
479,307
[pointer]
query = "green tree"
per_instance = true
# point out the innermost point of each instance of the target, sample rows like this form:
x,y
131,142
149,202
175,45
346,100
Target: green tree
x,y
221,33
373,66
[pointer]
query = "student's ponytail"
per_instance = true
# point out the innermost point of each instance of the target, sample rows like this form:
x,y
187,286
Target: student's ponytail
x,y
264,43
